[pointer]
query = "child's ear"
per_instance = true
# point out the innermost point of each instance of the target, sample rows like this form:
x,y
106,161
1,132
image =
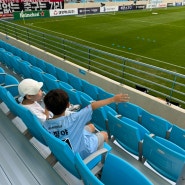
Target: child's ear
x,y
28,97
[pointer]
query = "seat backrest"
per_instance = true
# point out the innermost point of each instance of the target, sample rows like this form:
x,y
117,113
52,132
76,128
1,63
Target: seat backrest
x,y
10,102
16,63
177,136
50,68
62,75
25,69
130,110
86,175
2,70
90,89
164,156
85,100
41,64
117,170
75,82
50,81
32,123
61,151
155,124
102,94
11,84
126,133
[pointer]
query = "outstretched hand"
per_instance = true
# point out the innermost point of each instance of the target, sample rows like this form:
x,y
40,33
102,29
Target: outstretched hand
x,y
121,98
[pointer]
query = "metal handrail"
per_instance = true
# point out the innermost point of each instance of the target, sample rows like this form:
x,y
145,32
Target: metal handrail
x,y
158,81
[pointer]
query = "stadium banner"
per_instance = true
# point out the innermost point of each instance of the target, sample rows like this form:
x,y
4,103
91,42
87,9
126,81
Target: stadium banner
x,y
161,5
131,7
108,9
83,11
63,12
30,14
7,7
178,3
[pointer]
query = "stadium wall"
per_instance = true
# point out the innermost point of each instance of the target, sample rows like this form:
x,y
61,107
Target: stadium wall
x,y
174,114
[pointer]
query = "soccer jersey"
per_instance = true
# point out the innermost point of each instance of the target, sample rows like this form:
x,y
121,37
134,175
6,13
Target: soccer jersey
x,y
72,127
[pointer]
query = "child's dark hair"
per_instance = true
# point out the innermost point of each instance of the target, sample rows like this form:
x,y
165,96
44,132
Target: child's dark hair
x,y
56,101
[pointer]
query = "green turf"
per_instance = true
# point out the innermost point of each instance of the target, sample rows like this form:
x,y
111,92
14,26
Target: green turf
x,y
157,39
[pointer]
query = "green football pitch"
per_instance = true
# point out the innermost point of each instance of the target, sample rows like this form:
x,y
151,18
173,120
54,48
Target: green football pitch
x,y
156,36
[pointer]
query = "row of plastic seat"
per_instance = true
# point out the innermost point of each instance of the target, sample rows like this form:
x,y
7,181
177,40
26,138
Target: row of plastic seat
x,y
153,123
126,135
28,66
67,158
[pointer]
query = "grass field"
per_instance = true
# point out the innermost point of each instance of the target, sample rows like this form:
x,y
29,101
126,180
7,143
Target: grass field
x,y
157,39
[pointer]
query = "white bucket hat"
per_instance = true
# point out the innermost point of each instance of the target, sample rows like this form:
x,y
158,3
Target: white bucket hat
x,y
29,87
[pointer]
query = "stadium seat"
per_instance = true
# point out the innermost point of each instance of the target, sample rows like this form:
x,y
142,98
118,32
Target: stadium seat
x,y
114,171
177,136
50,68
32,123
128,133
100,118
32,59
75,96
75,82
130,110
15,63
10,83
37,74
50,81
102,94
90,89
25,69
62,75
85,100
6,57
2,70
164,156
155,124
40,64
64,153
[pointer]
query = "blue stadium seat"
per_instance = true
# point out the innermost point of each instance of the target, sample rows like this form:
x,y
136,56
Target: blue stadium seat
x,y
75,82
85,100
130,110
6,59
50,81
64,153
10,83
100,118
15,63
62,75
102,94
25,69
90,89
40,64
50,68
114,171
155,124
32,59
164,156
2,70
177,136
128,133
